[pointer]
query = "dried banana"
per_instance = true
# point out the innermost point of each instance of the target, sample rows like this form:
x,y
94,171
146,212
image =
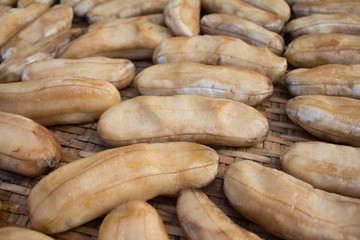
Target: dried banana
x,y
25,146
16,19
133,41
119,72
201,219
335,119
252,33
241,9
330,167
46,48
91,187
323,23
308,7
59,101
317,49
221,50
25,3
288,207
182,118
279,7
332,79
133,220
53,21
190,78
152,18
126,8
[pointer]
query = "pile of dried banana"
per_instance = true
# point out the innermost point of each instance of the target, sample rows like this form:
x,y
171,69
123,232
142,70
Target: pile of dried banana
x,y
214,61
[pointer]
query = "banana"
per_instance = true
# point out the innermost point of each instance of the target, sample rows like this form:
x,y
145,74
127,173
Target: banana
x,y
126,8
201,219
182,118
304,8
279,7
88,188
252,33
46,48
241,9
82,7
70,3
25,146
221,50
317,49
119,72
323,23
182,17
16,19
187,78
332,79
53,21
152,18
335,119
25,3
62,101
330,167
16,233
288,207
133,220
134,41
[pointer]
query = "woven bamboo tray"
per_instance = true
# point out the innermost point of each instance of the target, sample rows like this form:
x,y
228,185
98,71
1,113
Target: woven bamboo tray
x,y
80,141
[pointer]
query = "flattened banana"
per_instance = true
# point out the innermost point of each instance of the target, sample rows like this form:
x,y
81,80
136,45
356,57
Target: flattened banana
x,y
53,21
330,167
25,146
252,33
332,79
119,72
126,8
182,17
313,50
304,8
288,207
187,78
335,119
133,220
279,7
16,19
323,23
241,9
64,101
221,50
46,48
88,188
201,219
134,41
182,118
152,18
